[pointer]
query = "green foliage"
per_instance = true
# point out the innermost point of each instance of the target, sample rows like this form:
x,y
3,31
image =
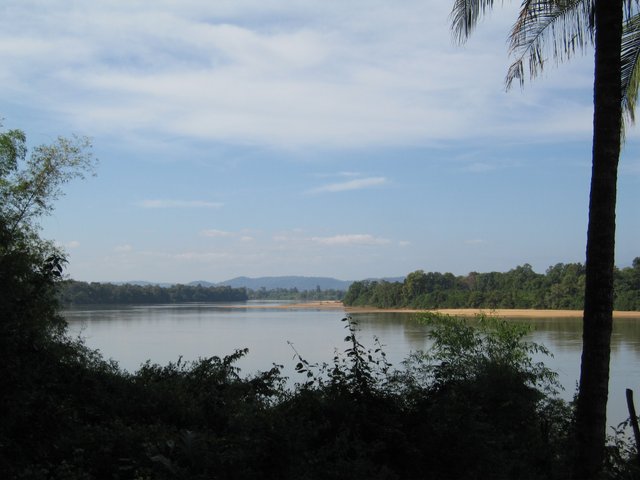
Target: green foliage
x,y
30,184
496,407
462,348
356,371
561,287
448,413
627,287
30,267
295,294
83,293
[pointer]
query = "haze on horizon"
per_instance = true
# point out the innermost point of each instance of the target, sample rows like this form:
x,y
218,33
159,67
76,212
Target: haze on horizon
x,y
340,139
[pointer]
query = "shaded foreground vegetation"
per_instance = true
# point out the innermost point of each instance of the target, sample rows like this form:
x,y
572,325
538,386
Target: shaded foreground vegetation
x,y
561,287
475,406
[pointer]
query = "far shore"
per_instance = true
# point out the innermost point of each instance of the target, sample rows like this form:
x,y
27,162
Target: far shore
x,y
462,312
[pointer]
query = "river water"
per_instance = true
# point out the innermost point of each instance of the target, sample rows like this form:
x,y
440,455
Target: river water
x,y
131,334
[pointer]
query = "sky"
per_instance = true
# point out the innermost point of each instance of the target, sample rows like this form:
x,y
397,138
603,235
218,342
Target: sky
x,y
351,139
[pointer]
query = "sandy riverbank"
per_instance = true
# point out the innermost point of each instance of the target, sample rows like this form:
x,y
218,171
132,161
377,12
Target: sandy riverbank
x,y
462,312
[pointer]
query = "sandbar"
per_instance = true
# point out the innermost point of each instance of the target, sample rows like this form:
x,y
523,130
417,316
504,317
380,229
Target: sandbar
x,y
461,312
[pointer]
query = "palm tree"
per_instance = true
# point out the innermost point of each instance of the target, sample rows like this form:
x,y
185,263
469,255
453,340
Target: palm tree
x,y
560,28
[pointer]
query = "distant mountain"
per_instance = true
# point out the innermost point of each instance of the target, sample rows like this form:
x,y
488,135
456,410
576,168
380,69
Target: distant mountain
x,y
299,282
203,283
271,283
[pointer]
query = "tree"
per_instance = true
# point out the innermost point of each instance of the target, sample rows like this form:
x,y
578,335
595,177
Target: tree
x,y
567,26
29,265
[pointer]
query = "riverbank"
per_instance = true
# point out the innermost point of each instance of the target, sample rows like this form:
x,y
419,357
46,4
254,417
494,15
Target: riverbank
x,y
461,312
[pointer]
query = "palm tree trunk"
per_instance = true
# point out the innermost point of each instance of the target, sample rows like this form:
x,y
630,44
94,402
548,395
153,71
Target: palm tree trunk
x,y
591,407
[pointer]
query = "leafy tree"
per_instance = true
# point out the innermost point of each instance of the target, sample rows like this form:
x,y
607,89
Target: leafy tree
x,y
29,265
628,287
32,338
415,284
567,26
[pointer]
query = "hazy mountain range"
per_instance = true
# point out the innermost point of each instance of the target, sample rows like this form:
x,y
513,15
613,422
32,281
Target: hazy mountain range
x,y
272,283
288,282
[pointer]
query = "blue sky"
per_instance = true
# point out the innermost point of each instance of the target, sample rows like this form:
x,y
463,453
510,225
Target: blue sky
x,y
303,137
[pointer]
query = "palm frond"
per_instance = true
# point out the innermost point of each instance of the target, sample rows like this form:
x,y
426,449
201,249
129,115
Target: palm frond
x,y
630,70
557,28
465,15
630,8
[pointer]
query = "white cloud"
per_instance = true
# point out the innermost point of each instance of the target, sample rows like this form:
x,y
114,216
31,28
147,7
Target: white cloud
x,y
178,204
281,73
356,184
123,248
351,239
241,236
346,174
404,243
73,244
216,233
474,241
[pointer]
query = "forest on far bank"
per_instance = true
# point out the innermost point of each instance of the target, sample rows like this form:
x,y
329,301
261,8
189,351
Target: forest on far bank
x,y
560,287
72,292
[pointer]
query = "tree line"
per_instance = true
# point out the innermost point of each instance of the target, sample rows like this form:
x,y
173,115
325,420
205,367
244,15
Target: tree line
x,y
82,293
560,287
74,292
295,294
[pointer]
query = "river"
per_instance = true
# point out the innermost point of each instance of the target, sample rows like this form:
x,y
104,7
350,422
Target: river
x,y
132,334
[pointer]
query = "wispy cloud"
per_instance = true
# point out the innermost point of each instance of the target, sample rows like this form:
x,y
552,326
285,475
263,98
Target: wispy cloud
x,y
342,174
330,75
178,204
123,248
357,184
242,236
212,232
351,239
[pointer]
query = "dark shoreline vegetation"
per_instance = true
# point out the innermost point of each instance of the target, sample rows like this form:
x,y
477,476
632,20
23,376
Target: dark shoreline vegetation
x,y
73,292
560,287
82,293
475,406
